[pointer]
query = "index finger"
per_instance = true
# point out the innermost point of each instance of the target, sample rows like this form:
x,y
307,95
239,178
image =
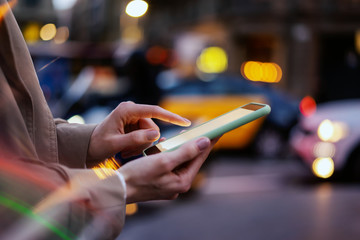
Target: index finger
x,y
152,111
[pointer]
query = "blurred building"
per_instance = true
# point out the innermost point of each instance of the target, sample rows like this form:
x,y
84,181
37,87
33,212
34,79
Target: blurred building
x,y
316,43
27,11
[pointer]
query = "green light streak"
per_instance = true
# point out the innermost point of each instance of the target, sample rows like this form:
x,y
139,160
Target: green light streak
x,y
19,208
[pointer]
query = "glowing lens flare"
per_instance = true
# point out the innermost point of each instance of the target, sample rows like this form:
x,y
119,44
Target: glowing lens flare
x,y
5,8
323,167
136,8
106,168
26,211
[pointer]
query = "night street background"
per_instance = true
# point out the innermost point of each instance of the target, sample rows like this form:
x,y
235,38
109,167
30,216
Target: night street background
x,y
243,199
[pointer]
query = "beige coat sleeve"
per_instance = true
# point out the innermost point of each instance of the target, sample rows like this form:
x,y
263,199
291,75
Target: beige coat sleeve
x,y
79,199
73,204
73,142
97,201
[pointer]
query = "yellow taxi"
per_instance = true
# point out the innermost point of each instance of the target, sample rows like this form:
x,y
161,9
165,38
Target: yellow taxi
x,y
201,108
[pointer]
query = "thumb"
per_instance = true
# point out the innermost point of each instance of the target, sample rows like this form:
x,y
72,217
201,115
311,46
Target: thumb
x,y
137,138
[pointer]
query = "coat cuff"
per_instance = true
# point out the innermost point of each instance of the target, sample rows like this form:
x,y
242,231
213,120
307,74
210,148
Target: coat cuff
x,y
73,143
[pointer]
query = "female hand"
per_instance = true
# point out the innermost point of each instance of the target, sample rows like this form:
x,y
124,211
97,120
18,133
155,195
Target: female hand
x,y
129,129
165,175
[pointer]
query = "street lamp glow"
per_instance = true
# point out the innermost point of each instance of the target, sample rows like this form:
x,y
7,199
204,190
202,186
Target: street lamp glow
x,y
48,32
63,4
212,60
136,8
323,167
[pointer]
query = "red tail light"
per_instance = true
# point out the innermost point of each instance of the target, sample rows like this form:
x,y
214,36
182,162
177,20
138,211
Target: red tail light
x,y
307,106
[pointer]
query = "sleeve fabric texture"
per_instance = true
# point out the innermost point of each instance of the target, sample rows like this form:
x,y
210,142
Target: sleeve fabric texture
x,y
54,149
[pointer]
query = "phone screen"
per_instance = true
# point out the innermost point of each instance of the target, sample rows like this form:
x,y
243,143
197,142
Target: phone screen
x,y
204,128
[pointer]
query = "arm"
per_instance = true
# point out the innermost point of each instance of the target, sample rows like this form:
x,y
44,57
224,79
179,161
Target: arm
x,y
73,143
129,129
165,175
76,201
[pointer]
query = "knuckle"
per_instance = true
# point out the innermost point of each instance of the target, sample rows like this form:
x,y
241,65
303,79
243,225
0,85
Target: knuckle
x,y
185,187
136,138
190,153
126,105
165,164
157,109
184,184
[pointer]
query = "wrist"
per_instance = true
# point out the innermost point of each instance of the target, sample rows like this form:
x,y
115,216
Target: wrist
x,y
123,182
131,190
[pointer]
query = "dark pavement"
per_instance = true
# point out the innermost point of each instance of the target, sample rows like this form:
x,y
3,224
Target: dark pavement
x,y
253,200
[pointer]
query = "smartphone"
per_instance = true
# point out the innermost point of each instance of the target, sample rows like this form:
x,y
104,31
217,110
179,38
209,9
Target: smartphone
x,y
213,128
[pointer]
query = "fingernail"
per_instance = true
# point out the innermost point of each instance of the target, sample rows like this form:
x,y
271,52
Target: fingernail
x,y
152,135
187,121
203,143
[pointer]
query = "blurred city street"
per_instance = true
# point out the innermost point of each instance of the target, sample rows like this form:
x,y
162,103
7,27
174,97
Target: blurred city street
x,y
250,200
293,174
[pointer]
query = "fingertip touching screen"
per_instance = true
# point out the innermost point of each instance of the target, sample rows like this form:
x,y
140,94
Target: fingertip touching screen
x,y
205,128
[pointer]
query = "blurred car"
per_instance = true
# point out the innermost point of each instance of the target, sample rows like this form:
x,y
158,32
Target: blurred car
x,y
328,141
200,109
201,101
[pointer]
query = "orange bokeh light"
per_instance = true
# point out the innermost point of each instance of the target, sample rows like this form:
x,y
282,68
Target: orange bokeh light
x,y
5,8
156,55
261,72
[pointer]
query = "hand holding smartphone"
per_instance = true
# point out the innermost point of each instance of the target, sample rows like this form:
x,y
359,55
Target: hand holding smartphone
x,y
213,128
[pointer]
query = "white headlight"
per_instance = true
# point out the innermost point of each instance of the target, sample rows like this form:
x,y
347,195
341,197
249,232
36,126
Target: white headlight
x,y
323,167
332,131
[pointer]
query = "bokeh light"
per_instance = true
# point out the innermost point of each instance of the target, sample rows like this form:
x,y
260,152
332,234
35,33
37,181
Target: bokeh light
x,y
261,72
76,119
132,34
307,106
212,60
156,55
325,130
323,167
332,131
136,8
63,4
48,32
357,41
131,209
62,35
31,32
324,149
